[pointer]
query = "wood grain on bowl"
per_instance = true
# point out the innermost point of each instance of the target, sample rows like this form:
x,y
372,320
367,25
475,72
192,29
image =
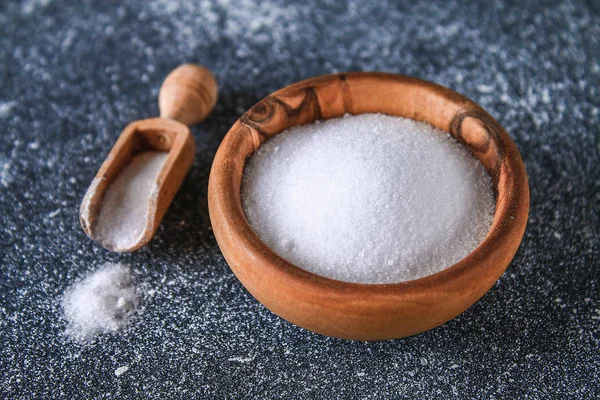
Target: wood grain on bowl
x,y
367,311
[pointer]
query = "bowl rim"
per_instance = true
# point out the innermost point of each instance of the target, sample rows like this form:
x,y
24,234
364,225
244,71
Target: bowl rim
x,y
507,227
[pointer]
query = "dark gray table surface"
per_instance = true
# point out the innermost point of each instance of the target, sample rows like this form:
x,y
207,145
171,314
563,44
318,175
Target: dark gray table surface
x,y
74,73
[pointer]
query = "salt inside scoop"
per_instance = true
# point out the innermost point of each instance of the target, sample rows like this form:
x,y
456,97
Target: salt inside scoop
x,y
124,208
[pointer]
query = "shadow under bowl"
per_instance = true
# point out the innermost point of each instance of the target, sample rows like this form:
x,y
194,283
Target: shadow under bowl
x,y
367,311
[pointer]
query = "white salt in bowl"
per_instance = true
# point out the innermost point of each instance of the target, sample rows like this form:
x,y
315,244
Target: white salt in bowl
x,y
355,310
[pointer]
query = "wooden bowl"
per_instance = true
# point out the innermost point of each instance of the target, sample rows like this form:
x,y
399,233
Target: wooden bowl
x,y
367,311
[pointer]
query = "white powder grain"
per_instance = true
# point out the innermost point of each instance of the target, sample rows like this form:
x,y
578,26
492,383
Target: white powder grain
x,y
368,198
6,107
124,209
102,302
121,370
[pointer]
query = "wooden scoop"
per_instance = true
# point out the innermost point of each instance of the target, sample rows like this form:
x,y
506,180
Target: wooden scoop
x,y
186,97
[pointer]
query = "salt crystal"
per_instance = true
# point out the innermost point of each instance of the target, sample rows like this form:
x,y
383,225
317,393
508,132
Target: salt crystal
x,y
102,302
368,198
124,209
121,370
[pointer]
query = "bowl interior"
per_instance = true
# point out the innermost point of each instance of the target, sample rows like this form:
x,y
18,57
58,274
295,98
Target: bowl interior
x,y
411,98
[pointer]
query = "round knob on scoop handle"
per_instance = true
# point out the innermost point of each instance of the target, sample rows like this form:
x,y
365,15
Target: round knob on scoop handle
x,y
188,94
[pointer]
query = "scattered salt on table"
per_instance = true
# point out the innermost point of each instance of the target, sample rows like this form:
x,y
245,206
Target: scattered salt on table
x,y
124,209
368,198
102,302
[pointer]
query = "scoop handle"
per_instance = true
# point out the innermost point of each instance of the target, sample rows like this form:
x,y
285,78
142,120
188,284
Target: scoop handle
x,y
188,94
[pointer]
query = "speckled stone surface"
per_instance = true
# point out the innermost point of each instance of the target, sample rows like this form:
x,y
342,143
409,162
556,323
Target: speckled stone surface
x,y
73,74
